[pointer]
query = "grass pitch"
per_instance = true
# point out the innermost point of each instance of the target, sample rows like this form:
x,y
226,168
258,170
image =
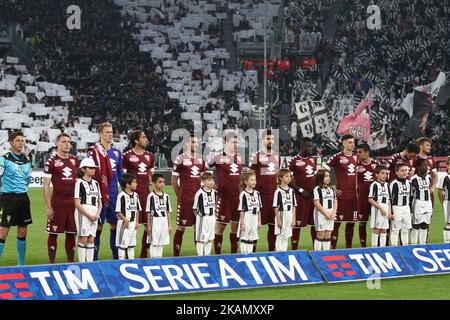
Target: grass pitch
x,y
426,287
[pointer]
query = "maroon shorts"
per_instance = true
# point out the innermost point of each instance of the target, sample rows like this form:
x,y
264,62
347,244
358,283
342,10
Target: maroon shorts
x,y
64,217
304,213
347,211
142,217
267,213
227,209
364,208
185,213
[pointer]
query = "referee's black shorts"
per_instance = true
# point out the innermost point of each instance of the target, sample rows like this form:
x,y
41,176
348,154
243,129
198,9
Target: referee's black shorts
x,y
15,210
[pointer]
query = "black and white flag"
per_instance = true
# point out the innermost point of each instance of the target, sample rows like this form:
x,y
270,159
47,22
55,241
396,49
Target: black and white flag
x,y
312,118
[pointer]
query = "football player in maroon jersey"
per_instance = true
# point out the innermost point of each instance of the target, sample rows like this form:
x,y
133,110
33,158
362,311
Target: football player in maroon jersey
x,y
405,157
266,163
141,164
304,167
344,165
60,170
366,175
229,165
186,179
425,145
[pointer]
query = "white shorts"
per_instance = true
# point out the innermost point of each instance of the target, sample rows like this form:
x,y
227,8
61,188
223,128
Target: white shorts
x,y
205,228
86,227
250,233
286,220
321,223
126,237
377,220
422,212
402,218
160,232
446,206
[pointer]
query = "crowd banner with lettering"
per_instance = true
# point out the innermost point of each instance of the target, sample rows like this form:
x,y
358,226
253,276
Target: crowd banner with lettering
x,y
140,277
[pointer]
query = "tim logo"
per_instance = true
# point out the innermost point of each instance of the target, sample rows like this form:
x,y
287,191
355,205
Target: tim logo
x,y
362,264
340,265
13,286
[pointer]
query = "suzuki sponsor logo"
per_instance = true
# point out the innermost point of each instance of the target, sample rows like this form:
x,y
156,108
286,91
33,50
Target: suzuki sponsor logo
x,y
194,172
351,168
67,173
368,176
234,168
309,170
142,167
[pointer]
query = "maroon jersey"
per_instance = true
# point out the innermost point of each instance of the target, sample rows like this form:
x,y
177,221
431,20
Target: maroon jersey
x,y
62,172
398,159
345,171
188,169
141,166
366,175
228,169
304,170
266,167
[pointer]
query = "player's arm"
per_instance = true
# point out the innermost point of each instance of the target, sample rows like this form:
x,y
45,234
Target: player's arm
x,y
50,212
100,205
2,166
175,185
435,180
277,200
169,211
241,210
120,169
294,212
441,196
335,207
123,218
373,193
148,208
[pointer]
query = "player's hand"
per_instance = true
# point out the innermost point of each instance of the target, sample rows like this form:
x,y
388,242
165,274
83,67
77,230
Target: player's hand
x,y
279,223
242,227
50,213
293,224
338,192
92,218
383,212
259,225
170,229
126,223
148,229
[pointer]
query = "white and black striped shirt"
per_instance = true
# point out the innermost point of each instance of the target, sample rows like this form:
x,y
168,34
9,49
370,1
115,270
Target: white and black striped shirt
x,y
284,200
379,192
205,202
420,187
250,202
87,191
444,184
400,190
326,197
128,205
158,205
